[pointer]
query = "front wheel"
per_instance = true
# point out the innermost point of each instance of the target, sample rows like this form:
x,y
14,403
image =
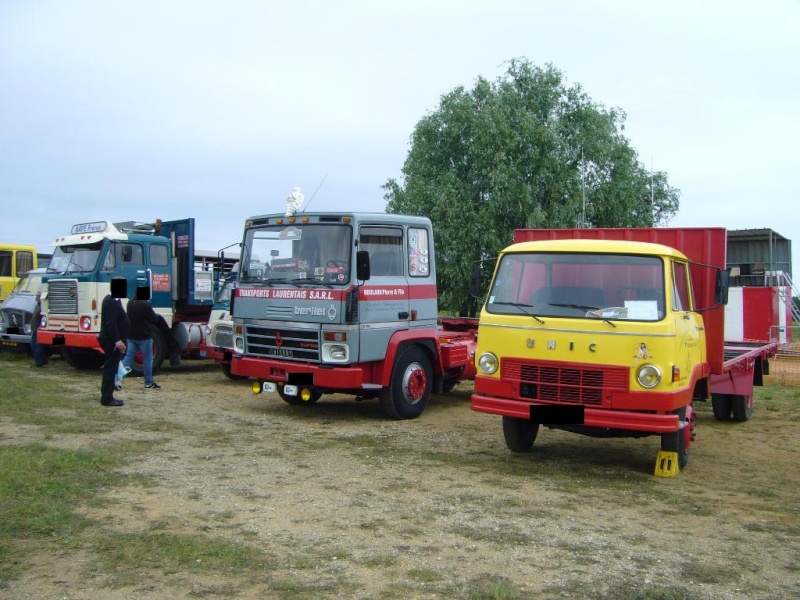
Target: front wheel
x,y
159,349
410,385
83,359
519,433
226,369
678,441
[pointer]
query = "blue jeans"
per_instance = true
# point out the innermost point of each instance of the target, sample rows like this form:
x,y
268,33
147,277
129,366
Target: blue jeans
x,y
146,346
39,357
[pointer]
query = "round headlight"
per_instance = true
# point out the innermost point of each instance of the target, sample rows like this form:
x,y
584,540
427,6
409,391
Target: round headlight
x,y
648,376
488,363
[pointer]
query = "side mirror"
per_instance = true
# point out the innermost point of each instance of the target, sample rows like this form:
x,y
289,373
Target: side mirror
x,y
362,265
721,287
475,281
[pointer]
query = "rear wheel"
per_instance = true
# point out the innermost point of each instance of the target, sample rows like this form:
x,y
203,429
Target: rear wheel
x,y
410,385
84,359
519,433
741,407
721,405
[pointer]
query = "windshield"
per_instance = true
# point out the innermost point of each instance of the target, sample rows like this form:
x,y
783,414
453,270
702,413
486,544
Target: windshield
x,y
297,253
72,259
30,283
584,286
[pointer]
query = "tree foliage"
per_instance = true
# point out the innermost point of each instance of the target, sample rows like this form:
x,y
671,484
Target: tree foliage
x,y
523,151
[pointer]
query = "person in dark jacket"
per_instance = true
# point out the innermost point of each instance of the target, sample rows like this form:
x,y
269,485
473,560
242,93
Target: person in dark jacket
x,y
143,319
113,338
39,356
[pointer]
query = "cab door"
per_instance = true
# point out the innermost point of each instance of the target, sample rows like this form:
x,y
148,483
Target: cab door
x,y
384,298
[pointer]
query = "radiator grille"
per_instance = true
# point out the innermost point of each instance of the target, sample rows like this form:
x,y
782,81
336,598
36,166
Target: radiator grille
x,y
223,336
552,382
62,297
271,342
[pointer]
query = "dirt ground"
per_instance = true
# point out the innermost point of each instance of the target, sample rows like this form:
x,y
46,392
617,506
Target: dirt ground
x,y
349,504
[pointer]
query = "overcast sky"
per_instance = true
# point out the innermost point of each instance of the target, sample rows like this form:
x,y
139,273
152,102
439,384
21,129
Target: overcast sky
x,y
215,110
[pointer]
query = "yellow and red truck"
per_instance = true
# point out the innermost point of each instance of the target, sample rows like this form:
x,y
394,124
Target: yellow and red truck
x,y
613,333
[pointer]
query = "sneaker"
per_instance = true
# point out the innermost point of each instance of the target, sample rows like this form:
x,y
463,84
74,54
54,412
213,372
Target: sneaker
x,y
152,386
112,402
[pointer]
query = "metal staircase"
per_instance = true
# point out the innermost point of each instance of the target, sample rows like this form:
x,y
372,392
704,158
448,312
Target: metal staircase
x,y
787,291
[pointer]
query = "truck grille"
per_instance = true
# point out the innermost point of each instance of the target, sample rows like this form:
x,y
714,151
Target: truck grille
x,y
292,344
62,296
15,321
552,382
223,336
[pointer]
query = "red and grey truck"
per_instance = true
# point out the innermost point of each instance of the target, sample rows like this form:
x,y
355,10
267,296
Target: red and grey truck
x,y
160,256
613,333
345,302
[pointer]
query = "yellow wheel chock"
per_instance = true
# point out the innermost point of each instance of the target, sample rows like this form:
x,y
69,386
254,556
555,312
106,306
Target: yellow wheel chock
x,y
666,464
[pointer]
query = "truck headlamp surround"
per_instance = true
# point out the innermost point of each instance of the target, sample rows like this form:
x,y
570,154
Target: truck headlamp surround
x,y
488,363
648,376
238,344
336,353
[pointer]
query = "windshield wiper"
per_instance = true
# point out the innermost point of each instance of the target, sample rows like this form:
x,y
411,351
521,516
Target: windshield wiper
x,y
313,280
522,307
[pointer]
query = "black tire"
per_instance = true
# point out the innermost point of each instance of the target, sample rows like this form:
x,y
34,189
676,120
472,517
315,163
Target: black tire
x,y
721,405
519,433
83,359
410,386
159,352
226,369
676,441
297,400
742,407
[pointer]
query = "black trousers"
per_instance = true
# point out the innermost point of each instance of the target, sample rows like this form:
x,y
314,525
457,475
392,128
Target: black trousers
x,y
110,366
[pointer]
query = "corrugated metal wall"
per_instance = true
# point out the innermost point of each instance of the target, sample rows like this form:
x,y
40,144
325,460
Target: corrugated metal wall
x,y
759,253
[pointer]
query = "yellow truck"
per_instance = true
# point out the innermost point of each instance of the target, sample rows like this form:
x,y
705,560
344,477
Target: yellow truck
x,y
613,333
15,261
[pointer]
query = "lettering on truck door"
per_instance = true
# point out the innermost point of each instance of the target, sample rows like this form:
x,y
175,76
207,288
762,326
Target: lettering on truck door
x,y
384,299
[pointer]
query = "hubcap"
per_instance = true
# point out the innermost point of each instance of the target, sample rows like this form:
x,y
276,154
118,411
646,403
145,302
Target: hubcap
x,y
415,382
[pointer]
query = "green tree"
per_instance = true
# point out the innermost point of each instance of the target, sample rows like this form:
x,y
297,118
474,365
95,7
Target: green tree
x,y
524,151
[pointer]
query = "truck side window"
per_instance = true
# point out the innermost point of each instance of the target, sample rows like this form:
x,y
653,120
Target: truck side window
x,y
109,262
385,247
159,256
5,263
132,254
680,289
24,262
419,257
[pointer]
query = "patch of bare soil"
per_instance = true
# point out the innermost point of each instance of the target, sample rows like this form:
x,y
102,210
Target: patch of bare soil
x,y
348,504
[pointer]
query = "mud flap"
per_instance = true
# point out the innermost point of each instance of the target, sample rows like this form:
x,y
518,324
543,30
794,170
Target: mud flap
x,y
666,464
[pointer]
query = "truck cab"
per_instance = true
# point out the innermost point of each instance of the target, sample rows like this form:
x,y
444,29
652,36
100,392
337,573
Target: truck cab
x,y
341,302
602,332
15,261
159,256
16,311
